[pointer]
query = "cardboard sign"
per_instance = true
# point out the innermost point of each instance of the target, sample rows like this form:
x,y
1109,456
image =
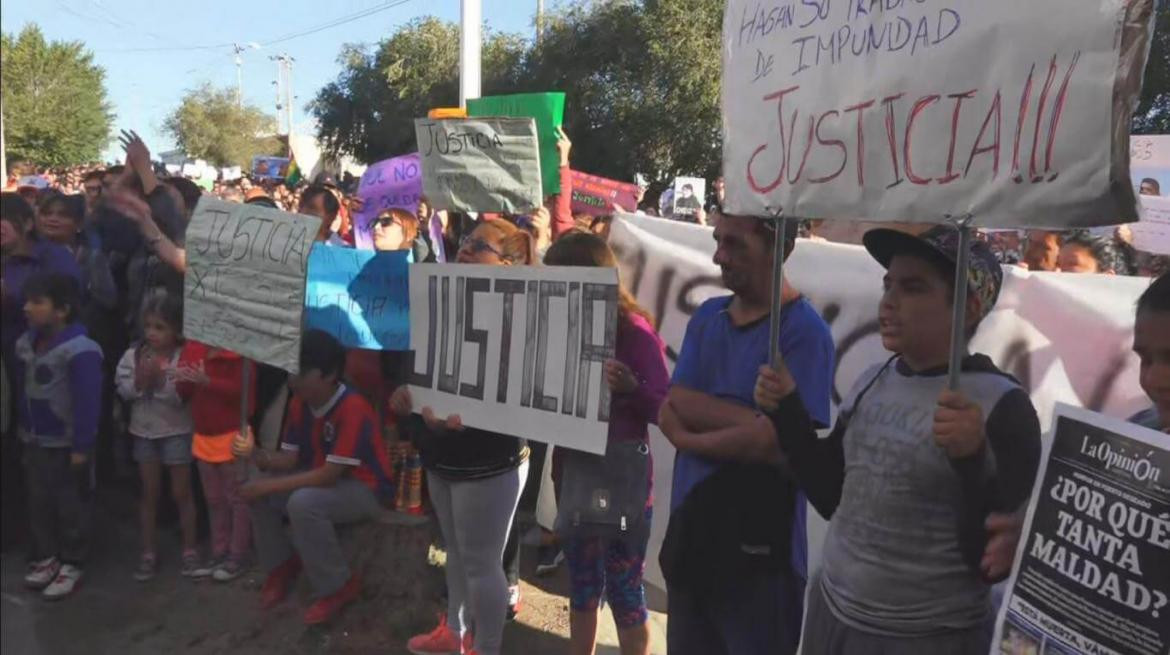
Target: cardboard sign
x,y
1152,233
391,183
359,296
689,193
1150,162
515,349
244,290
596,195
480,164
1092,569
548,110
1014,112
269,168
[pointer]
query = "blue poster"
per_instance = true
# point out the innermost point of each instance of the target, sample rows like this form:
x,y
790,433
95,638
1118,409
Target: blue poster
x,y
362,297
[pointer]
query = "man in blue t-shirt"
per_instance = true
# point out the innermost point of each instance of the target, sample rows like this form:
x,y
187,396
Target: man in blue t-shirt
x,y
735,555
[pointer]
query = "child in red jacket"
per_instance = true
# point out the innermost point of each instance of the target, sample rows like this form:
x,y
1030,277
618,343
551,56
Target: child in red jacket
x,y
211,380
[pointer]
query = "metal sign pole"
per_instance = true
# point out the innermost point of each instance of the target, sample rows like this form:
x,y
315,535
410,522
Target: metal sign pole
x,y
959,315
245,391
780,223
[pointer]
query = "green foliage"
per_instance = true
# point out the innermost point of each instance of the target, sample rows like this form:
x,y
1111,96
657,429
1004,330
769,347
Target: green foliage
x,y
55,107
1153,110
210,124
641,81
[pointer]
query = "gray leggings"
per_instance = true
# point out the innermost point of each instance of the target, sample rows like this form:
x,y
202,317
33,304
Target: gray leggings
x,y
475,516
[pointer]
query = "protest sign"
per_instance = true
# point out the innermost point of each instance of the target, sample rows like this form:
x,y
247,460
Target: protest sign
x,y
269,168
548,110
245,284
359,296
516,349
1152,233
480,164
596,195
1066,337
1092,570
1149,159
913,111
688,198
390,183
231,173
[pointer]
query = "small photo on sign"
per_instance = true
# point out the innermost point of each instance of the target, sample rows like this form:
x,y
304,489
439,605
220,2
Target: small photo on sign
x,y
269,168
689,193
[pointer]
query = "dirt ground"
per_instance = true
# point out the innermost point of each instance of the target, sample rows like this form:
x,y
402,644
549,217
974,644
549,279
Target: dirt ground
x,y
171,615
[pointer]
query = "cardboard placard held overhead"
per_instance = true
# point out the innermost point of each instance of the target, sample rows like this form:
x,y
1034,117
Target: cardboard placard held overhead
x,y
1092,570
689,194
515,349
547,109
244,290
269,168
480,164
394,183
359,296
1016,113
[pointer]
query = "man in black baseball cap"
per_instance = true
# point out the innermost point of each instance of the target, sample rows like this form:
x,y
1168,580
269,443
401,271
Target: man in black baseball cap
x,y
912,470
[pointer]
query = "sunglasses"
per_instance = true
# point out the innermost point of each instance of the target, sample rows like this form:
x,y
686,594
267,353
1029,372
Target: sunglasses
x,y
476,245
385,221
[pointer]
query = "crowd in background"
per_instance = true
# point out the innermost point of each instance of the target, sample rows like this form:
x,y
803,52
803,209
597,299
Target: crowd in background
x,y
94,261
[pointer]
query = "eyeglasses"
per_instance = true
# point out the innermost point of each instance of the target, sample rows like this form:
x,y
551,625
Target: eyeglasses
x,y
476,245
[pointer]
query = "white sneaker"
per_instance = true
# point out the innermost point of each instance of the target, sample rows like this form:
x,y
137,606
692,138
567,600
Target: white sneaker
x,y
65,583
41,573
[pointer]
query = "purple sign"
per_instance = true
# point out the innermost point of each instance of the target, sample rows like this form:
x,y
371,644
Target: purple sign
x,y
390,183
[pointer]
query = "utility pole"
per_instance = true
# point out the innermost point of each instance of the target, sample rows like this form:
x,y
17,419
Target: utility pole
x,y
471,18
539,20
3,150
240,69
284,94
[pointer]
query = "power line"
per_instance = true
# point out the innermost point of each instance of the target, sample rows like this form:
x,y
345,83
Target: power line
x,y
288,37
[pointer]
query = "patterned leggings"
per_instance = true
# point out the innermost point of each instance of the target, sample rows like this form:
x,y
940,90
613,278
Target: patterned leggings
x,y
614,567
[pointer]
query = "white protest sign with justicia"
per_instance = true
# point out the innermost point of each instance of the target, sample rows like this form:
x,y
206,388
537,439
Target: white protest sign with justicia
x,y
480,164
244,290
514,349
898,110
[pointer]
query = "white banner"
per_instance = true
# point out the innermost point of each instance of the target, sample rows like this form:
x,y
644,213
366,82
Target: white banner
x,y
245,285
1067,337
892,110
515,349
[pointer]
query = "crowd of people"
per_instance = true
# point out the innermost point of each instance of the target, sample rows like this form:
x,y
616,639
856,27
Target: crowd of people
x,y
924,485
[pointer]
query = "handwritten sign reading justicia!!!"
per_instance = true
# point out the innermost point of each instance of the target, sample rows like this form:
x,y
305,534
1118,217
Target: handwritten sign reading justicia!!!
x,y
244,289
480,164
917,109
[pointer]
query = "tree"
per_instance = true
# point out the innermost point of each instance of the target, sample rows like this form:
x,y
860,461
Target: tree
x,y
210,124
641,81
1153,110
369,110
55,107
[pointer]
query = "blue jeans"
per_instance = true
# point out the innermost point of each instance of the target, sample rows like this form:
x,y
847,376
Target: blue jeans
x,y
759,615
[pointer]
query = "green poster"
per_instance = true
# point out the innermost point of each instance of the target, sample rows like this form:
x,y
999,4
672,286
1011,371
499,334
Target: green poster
x,y
548,109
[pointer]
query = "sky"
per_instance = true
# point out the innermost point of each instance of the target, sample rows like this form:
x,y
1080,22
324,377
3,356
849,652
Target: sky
x,y
154,51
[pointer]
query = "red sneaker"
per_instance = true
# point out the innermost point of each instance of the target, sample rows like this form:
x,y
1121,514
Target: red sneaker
x,y
326,608
278,582
440,641
469,644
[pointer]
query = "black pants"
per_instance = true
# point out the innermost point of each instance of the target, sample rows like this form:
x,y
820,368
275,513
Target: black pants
x,y
60,504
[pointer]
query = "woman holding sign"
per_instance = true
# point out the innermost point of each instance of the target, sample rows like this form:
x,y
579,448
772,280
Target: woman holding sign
x,y
606,556
475,478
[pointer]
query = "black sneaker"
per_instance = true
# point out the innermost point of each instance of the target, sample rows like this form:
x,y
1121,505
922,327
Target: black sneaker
x,y
550,559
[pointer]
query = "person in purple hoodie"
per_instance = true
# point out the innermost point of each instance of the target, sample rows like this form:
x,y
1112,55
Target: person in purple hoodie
x,y
639,382
60,370
23,256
